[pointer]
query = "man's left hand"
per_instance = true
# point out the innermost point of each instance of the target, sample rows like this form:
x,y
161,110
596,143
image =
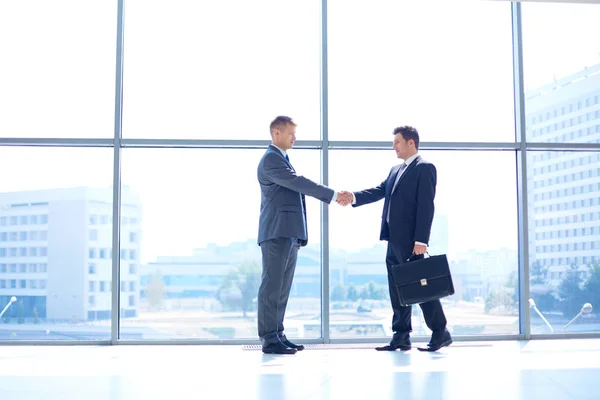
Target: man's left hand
x,y
344,198
419,249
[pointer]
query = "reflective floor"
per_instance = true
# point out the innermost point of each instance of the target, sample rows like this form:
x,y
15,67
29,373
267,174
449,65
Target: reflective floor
x,y
542,369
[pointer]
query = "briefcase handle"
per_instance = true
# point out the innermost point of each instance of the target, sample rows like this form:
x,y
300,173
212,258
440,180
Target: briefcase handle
x,y
409,259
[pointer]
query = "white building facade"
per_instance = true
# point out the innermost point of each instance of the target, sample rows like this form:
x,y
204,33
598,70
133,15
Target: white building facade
x,y
56,254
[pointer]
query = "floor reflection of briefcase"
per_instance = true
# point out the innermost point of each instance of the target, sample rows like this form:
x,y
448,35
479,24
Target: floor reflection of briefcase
x,y
420,281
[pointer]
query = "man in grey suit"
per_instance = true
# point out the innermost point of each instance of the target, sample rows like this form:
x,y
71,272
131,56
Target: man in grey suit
x,y
282,231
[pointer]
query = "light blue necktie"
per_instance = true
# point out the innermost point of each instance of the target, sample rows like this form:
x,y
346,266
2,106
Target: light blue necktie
x,y
402,168
400,171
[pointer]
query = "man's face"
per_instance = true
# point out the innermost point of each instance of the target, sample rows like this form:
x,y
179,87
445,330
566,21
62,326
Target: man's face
x,y
404,149
285,137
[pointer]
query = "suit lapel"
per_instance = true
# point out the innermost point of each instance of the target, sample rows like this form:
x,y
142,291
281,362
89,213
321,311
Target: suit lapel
x,y
406,171
389,187
275,149
392,180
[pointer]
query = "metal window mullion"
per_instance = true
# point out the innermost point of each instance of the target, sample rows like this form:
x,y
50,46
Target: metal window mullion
x,y
521,160
324,178
300,144
540,146
210,143
56,142
387,145
116,217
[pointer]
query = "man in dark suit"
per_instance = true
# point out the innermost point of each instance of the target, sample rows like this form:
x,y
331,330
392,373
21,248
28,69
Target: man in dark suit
x,y
282,230
409,192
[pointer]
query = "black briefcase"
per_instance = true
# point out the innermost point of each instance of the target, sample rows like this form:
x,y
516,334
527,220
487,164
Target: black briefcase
x,y
420,281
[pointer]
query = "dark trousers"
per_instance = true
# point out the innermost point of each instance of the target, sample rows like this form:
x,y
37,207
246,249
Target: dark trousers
x,y
401,320
278,265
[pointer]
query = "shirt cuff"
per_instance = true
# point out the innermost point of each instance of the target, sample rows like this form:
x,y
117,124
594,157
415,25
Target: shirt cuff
x,y
422,244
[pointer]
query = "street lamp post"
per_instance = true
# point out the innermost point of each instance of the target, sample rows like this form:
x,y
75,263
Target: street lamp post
x,y
12,300
586,309
532,305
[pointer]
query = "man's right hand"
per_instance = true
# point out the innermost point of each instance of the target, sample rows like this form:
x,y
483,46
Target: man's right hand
x,y
344,198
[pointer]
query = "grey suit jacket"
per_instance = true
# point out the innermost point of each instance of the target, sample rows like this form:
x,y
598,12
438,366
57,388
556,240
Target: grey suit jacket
x,y
282,204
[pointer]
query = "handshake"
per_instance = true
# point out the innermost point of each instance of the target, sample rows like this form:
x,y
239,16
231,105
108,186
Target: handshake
x,y
344,198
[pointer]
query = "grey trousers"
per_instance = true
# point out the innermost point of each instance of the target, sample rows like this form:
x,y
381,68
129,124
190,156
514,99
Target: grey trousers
x,y
278,265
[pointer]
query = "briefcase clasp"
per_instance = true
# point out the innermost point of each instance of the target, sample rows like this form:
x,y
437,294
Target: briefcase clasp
x,y
423,282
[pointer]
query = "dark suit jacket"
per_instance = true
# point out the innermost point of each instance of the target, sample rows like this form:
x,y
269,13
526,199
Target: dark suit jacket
x,y
411,204
282,202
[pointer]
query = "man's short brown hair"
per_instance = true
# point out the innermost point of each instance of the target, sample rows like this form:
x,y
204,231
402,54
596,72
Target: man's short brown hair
x,y
408,133
280,122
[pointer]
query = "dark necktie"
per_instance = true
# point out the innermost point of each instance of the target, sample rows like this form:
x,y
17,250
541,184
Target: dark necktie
x,y
288,160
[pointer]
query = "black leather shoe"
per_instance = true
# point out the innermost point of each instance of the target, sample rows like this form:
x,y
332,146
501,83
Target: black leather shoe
x,y
438,343
394,345
291,345
278,348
